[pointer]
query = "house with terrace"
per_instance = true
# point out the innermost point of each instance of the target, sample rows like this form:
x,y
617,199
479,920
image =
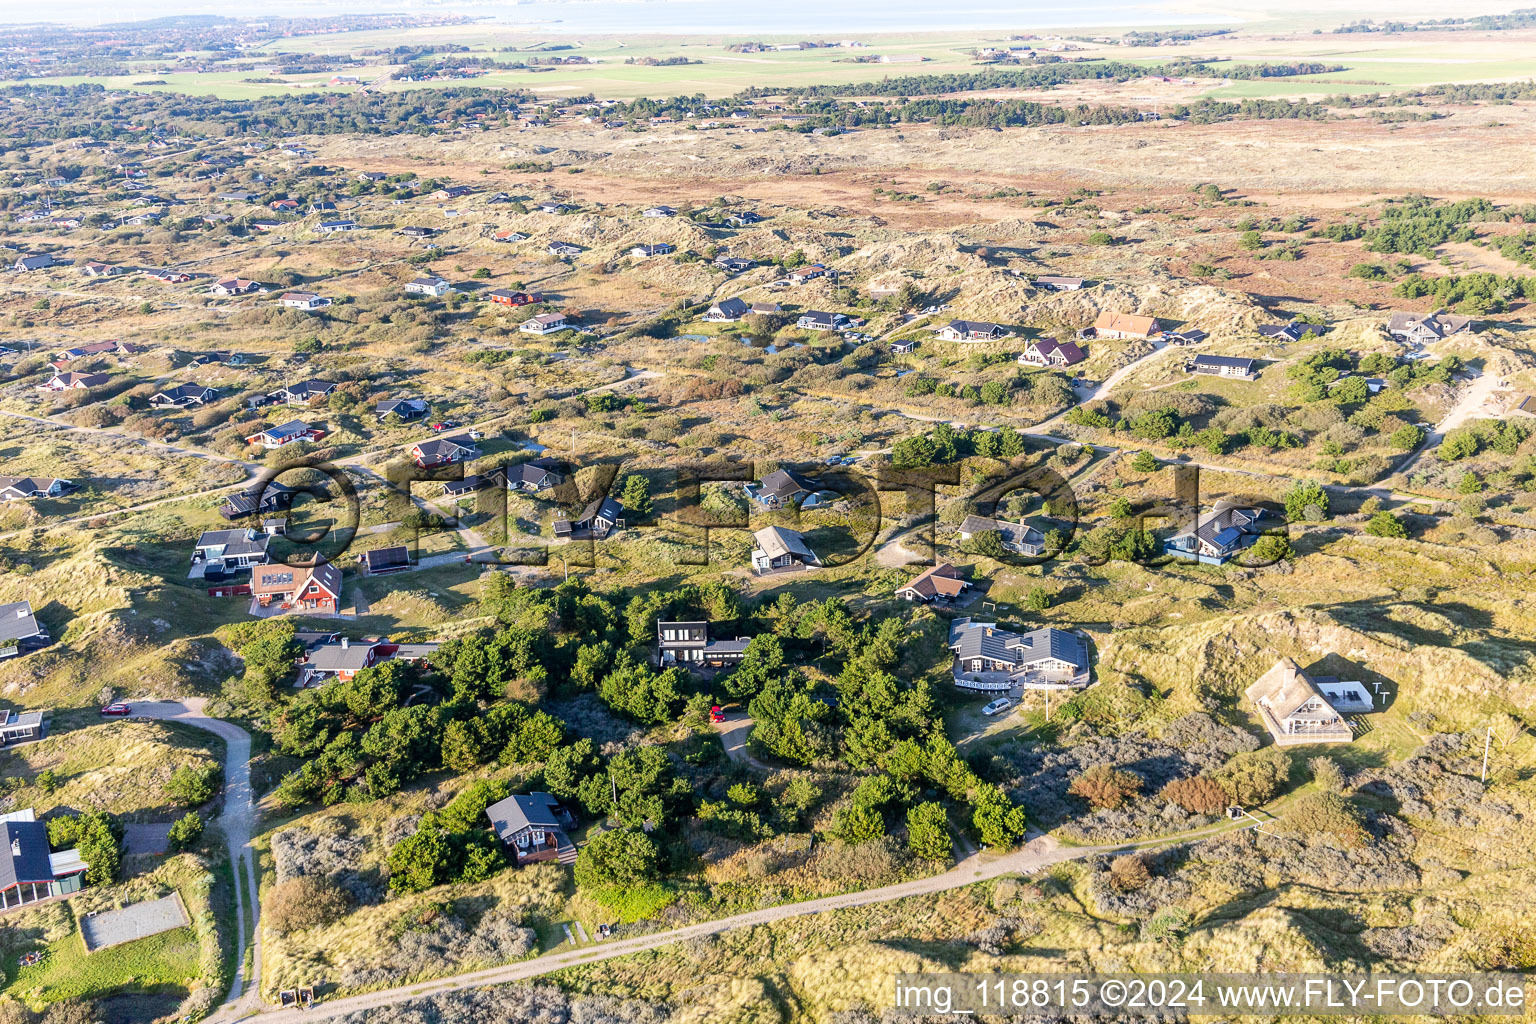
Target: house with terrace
x,y
600,518
544,323
221,552
443,451
1019,538
973,330
1217,535
1298,708
821,320
24,488
783,489
1223,366
1056,283
1423,328
407,410
73,381
262,499
436,287
534,827
20,632
385,561
1122,325
302,392
292,432
938,585
689,644
1293,331
304,589
29,872
342,658
995,660
726,311
474,483
536,475
22,727
1050,352
776,549
183,396
302,300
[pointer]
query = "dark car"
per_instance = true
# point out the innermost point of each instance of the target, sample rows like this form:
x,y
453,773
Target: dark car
x,y
117,709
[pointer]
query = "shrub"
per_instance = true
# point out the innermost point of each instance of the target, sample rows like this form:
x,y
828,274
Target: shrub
x,y
97,835
1385,524
1305,495
622,856
1129,871
194,785
1254,778
308,901
928,831
857,824
1144,462
1327,773
1105,786
1198,795
186,831
1327,817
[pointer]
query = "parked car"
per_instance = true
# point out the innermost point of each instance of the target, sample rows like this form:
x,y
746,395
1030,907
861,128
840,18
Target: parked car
x,y
445,425
997,707
117,709
716,714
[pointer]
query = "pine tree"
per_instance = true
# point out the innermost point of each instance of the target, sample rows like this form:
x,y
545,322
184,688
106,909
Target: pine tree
x,y
636,497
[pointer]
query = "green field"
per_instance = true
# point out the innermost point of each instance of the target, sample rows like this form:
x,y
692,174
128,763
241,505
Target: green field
x,y
1374,63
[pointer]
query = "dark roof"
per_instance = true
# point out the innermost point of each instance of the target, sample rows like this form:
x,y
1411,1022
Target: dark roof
x,y
402,406
18,623
730,307
975,327
445,445
308,388
605,508
522,810
980,639
1068,349
781,483
27,859
819,316
381,558
538,472
1229,361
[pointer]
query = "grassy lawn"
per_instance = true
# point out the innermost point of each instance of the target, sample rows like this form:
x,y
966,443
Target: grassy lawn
x,y
162,964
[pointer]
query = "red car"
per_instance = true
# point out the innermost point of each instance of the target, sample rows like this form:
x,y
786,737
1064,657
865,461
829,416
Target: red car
x,y
117,709
716,714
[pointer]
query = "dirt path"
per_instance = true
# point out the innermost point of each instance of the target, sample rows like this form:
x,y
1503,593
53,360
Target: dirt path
x,y
1472,402
733,736
1104,389
237,822
1037,854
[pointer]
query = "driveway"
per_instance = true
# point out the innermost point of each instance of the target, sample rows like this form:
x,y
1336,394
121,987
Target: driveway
x,y
733,736
1473,402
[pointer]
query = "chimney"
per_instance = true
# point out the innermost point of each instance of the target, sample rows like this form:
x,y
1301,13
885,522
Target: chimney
x,y
345,643
22,613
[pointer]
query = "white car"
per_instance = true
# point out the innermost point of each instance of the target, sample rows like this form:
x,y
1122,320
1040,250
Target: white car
x,y
997,707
